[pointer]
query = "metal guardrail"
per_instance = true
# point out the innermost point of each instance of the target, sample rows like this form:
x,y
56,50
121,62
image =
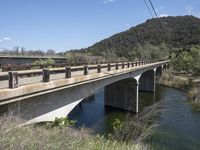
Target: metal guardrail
x,y
13,76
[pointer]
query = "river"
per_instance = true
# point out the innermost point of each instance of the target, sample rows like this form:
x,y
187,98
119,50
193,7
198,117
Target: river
x,y
179,124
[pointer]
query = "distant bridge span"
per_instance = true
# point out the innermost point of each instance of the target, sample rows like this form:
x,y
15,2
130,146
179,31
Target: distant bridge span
x,y
43,101
5,60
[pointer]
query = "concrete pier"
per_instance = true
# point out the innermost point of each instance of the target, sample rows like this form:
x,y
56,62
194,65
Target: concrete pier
x,y
122,94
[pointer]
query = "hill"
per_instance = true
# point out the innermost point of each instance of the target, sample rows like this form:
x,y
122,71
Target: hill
x,y
153,39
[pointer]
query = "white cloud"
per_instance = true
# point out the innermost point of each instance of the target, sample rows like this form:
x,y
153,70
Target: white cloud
x,y
163,15
7,38
108,1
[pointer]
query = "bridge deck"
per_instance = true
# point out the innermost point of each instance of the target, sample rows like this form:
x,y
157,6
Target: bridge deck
x,y
38,79
35,86
24,80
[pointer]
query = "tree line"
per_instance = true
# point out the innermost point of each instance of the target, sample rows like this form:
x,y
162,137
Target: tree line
x,y
21,51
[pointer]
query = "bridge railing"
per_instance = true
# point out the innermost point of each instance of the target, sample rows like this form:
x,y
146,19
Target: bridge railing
x,y
18,67
13,76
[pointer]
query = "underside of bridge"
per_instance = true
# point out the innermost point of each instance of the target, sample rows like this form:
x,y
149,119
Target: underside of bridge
x,y
147,81
122,94
159,71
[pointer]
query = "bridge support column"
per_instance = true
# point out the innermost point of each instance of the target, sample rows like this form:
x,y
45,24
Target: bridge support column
x,y
122,94
147,81
137,97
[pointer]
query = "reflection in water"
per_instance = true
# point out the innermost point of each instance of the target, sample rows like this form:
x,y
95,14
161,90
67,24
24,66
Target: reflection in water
x,y
179,124
92,114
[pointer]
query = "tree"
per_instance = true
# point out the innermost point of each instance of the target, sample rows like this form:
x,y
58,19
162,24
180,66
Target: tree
x,y
187,60
50,52
16,49
22,50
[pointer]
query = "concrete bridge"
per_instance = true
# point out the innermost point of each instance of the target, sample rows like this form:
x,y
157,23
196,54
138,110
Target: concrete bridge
x,y
42,95
5,60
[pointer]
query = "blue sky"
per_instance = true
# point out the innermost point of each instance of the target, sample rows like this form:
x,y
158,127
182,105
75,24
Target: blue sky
x,y
71,24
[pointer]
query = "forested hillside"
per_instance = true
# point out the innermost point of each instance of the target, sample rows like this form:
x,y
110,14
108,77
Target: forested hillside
x,y
153,39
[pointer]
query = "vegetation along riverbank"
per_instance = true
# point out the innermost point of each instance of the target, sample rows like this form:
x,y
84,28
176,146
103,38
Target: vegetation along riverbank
x,y
184,73
61,135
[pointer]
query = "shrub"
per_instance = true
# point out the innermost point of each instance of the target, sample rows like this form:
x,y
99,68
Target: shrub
x,y
14,137
48,61
63,122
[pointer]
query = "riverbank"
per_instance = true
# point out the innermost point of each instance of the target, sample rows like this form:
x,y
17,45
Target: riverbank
x,y
185,83
177,126
45,137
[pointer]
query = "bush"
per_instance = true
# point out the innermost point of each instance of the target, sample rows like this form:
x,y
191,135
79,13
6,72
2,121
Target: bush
x,y
63,122
187,60
31,137
48,61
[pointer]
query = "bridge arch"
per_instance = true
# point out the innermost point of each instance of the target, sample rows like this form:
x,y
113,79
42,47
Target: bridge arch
x,y
159,71
147,81
165,66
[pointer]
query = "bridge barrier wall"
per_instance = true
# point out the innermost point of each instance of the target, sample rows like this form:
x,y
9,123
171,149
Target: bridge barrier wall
x,y
68,70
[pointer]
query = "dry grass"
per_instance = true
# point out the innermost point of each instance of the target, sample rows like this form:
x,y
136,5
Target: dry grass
x,y
131,136
194,98
183,83
15,137
138,128
195,105
179,82
194,93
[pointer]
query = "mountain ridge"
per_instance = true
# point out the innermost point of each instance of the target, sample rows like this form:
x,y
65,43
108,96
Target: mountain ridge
x,y
159,33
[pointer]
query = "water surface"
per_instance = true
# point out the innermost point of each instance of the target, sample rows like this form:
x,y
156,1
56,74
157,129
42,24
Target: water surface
x,y
179,124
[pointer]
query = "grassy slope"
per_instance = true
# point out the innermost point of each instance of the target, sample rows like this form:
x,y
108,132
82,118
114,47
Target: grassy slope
x,y
40,137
